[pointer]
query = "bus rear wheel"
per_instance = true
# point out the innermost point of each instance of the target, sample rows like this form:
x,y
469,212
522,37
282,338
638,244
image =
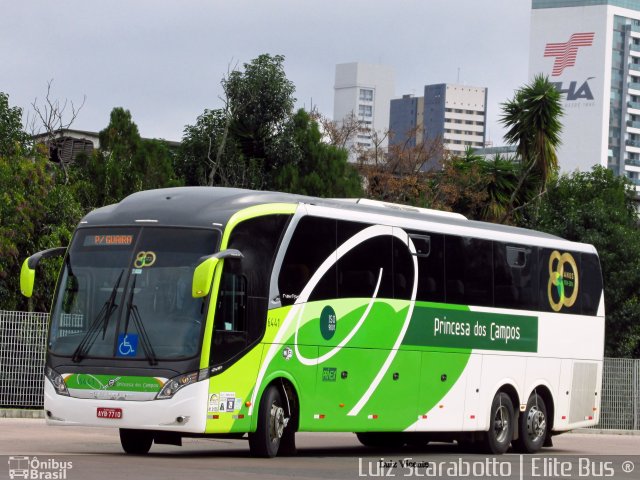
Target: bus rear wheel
x,y
136,442
532,426
498,438
272,423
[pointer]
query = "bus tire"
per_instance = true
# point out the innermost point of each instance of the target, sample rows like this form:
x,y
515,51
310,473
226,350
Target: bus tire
x,y
498,438
532,426
265,441
136,442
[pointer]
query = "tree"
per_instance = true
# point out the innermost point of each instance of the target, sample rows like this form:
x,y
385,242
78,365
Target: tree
x,y
318,169
598,207
37,211
53,117
532,118
400,176
124,164
12,136
245,143
260,102
208,155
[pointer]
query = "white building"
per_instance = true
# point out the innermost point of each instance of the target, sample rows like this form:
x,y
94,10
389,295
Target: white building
x,y
591,50
365,91
457,114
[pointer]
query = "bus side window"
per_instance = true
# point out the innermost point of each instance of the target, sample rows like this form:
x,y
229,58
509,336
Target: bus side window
x,y
313,241
232,306
242,303
430,256
469,271
359,269
515,276
590,284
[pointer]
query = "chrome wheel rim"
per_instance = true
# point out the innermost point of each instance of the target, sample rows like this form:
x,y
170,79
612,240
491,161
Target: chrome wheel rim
x,y
501,424
536,423
277,423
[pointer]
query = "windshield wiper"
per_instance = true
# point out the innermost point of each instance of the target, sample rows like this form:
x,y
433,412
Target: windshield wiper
x,y
132,311
103,317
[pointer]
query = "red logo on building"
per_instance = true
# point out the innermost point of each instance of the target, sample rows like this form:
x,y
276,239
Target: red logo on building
x,y
567,52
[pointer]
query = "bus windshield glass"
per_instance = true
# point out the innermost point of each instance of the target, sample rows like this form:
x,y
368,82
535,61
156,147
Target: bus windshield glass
x,y
125,293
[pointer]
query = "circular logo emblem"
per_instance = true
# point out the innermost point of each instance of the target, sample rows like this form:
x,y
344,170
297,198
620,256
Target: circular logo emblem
x,y
287,353
562,288
328,322
145,259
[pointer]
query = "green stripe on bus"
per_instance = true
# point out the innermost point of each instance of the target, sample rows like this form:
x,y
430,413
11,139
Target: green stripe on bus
x,y
438,326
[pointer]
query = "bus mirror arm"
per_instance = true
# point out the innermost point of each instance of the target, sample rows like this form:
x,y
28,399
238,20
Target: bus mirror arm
x,y
28,270
203,274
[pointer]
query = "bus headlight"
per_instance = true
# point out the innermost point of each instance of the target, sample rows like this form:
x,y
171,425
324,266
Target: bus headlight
x,y
57,381
176,383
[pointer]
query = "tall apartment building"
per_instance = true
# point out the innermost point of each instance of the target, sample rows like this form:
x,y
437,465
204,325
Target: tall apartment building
x,y
590,49
365,91
457,114
406,121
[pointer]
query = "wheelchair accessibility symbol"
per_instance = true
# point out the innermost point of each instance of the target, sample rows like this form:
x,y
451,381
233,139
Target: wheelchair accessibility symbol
x,y
127,345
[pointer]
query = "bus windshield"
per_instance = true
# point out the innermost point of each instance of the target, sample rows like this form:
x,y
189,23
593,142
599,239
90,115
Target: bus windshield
x,y
125,293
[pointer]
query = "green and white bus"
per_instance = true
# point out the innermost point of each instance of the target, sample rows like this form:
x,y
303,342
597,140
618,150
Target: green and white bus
x,y
192,312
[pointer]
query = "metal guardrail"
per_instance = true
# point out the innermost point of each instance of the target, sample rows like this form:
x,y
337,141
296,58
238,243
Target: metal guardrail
x,y
23,344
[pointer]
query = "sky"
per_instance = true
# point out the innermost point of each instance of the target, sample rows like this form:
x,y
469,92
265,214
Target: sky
x,y
163,60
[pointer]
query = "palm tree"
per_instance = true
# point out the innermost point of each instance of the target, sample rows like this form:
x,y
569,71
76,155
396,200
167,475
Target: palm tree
x,y
533,121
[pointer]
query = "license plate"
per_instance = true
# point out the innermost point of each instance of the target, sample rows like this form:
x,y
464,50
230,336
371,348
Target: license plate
x,y
113,413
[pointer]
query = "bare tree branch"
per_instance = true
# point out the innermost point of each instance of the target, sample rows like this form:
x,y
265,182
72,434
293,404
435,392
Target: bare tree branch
x,y
52,117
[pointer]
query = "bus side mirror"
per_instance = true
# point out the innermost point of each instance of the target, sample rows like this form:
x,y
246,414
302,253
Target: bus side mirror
x,y
203,274
28,270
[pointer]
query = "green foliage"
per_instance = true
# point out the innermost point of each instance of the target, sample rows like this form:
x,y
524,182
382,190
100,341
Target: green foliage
x,y
210,155
597,207
36,212
124,164
532,118
12,138
322,169
260,102
245,144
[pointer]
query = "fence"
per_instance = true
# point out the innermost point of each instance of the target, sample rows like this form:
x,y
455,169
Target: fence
x,y
620,408
22,351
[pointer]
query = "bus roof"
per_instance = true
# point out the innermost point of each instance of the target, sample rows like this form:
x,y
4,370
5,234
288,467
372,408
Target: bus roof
x,y
206,207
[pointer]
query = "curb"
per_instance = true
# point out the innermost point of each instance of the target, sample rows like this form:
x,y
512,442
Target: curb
x,y
599,431
20,413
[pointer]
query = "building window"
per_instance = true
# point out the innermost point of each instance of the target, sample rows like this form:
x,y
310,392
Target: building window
x,y
366,94
365,110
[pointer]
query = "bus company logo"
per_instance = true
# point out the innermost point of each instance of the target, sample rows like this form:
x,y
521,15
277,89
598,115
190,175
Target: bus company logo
x,y
33,468
145,259
566,53
562,288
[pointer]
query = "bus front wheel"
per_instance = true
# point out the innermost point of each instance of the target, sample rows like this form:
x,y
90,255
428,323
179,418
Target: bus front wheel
x,y
498,437
272,424
136,442
532,426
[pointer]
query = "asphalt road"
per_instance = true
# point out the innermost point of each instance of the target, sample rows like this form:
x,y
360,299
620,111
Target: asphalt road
x,y
95,453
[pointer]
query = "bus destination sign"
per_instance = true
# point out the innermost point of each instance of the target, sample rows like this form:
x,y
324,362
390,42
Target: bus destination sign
x,y
107,240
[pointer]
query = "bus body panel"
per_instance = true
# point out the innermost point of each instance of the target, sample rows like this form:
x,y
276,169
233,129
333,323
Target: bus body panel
x,y
188,403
